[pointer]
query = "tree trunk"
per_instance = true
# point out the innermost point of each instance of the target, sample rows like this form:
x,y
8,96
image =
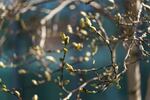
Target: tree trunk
x,y
133,66
133,74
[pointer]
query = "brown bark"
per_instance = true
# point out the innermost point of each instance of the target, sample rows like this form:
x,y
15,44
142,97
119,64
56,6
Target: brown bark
x,y
133,74
133,66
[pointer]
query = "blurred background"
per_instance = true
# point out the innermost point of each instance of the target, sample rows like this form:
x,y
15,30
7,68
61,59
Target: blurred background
x,y
18,41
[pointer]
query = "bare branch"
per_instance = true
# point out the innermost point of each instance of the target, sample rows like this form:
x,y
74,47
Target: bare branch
x,y
56,10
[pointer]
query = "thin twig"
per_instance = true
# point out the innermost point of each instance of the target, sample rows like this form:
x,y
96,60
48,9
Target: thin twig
x,y
80,88
146,6
43,36
56,10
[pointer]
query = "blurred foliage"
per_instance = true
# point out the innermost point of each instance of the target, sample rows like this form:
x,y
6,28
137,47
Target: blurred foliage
x,y
52,47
